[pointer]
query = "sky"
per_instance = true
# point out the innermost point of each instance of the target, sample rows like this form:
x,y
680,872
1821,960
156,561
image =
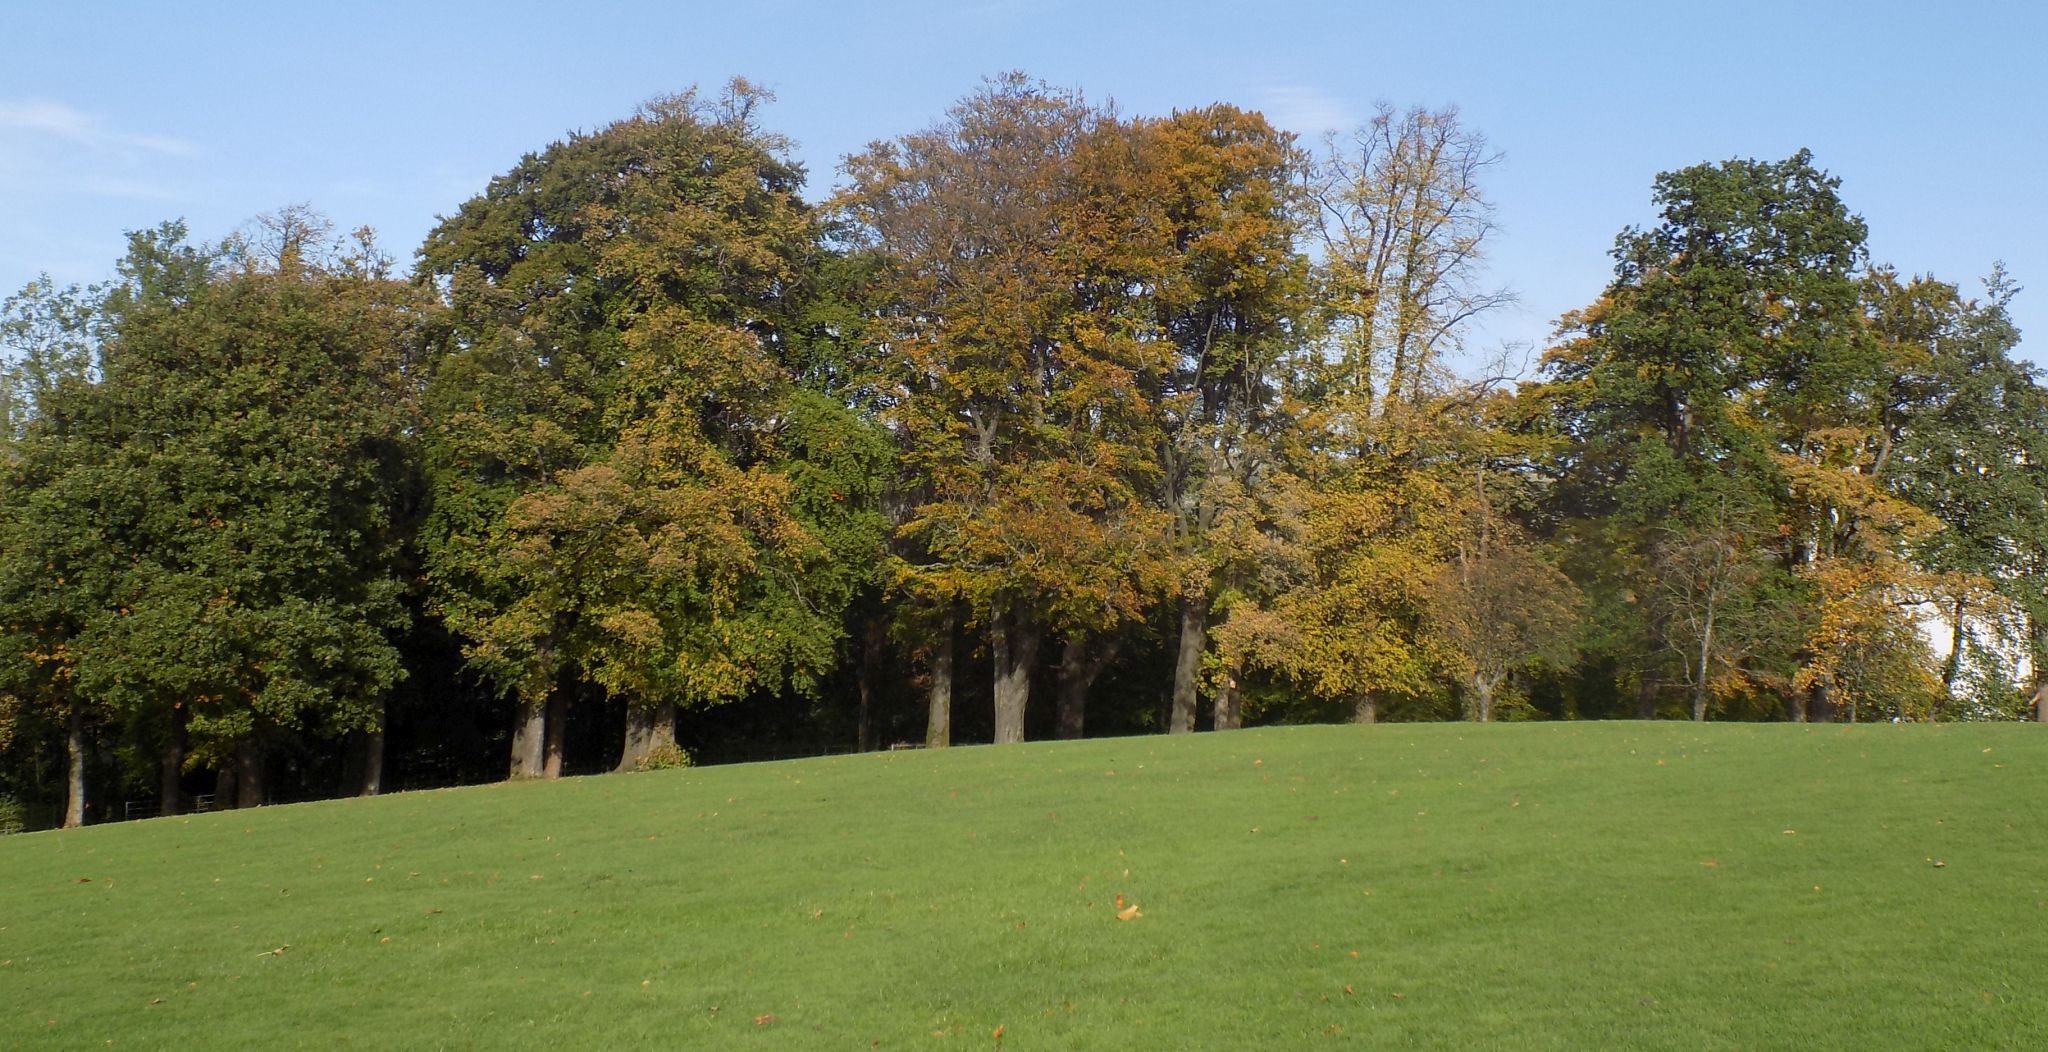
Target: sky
x,y
118,115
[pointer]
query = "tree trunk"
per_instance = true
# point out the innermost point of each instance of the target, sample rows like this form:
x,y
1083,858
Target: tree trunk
x,y
1078,671
938,727
249,788
665,725
1950,668
639,736
648,728
1954,665
373,754
1795,706
2039,637
1646,697
1820,708
74,751
1482,692
224,785
1699,679
1366,709
1194,638
1230,700
871,653
1016,647
171,765
555,728
527,731
1073,692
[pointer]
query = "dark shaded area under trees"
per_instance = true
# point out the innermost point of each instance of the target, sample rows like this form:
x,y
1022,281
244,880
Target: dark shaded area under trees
x,y
1052,421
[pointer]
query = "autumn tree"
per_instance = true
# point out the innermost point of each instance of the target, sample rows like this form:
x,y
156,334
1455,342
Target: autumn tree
x,y
1403,221
1499,603
1231,294
1027,446
1382,432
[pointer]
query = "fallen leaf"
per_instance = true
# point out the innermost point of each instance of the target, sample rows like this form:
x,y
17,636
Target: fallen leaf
x,y
1119,901
1712,863
1128,913
998,1035
1347,989
763,1020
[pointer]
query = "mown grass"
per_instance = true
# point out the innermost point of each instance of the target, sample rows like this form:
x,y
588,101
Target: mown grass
x,y
1558,886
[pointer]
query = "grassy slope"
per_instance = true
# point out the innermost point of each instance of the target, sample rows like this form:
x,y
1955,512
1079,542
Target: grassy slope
x,y
1534,886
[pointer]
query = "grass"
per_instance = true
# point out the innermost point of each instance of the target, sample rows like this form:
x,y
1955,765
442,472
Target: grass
x,y
1561,886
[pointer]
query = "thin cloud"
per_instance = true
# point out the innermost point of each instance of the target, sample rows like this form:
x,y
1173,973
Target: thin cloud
x,y
44,118
1305,110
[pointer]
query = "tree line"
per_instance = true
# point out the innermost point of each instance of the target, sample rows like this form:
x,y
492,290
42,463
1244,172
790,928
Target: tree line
x,y
648,458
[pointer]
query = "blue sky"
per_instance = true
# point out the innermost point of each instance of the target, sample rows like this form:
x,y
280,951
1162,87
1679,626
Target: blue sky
x,y
116,115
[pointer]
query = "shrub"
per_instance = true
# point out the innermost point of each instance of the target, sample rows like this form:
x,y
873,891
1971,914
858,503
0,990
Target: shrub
x,y
664,758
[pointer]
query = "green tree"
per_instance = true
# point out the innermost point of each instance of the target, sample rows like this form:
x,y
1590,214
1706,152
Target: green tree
x,y
257,487
1727,376
204,537
54,564
1965,437
618,449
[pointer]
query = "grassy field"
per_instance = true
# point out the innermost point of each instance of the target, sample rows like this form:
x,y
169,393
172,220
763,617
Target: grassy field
x,y
1563,886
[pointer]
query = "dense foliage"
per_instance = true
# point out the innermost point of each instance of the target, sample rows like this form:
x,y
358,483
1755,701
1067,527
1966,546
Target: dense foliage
x,y
651,457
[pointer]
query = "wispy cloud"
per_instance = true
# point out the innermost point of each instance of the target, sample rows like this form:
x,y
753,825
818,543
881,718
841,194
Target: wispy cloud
x,y
1305,110
43,118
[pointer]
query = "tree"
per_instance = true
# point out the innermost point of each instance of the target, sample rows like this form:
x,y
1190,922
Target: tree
x,y
622,308
1403,222
1499,604
1026,442
1232,300
52,566
223,456
1964,438
257,493
1381,436
1708,601
1727,377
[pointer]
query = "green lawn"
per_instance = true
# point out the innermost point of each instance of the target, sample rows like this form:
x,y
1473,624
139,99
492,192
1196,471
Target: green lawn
x,y
1567,886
